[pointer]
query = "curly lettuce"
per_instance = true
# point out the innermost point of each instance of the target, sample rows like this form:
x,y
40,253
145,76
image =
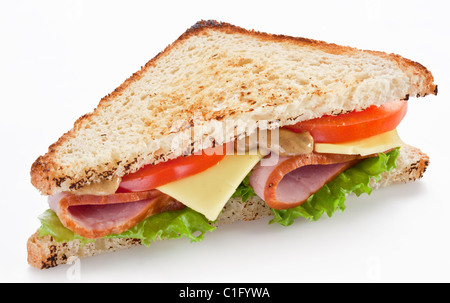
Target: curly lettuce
x,y
185,223
331,197
244,190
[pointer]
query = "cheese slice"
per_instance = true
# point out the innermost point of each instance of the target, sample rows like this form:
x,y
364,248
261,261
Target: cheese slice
x,y
208,192
367,146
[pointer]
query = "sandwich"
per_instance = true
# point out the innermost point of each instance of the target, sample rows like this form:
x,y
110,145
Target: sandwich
x,y
226,124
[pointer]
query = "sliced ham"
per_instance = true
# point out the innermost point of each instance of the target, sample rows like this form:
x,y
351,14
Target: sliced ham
x,y
292,180
93,216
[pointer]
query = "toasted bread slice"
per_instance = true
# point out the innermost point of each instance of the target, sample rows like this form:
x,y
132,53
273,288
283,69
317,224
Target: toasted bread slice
x,y
218,72
44,252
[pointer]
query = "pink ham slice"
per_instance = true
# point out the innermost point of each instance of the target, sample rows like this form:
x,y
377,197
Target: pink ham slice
x,y
97,216
291,181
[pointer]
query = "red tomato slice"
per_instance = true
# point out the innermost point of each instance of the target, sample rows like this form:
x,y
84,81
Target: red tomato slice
x,y
153,176
355,125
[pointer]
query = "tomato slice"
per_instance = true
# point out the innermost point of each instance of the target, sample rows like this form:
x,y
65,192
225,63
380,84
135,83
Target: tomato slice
x,y
153,176
355,125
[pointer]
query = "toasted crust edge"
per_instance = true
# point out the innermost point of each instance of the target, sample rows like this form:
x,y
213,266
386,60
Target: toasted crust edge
x,y
45,252
44,171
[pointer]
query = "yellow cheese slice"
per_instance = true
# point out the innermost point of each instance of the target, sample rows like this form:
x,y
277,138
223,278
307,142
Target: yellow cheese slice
x,y
208,192
371,145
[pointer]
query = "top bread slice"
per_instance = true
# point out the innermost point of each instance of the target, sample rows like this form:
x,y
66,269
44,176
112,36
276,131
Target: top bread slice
x,y
231,81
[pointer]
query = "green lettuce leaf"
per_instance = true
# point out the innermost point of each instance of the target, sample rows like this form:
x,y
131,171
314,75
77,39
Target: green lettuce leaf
x,y
166,225
331,197
244,190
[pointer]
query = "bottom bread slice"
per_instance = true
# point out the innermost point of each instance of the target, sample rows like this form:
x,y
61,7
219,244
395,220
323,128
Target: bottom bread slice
x,y
44,252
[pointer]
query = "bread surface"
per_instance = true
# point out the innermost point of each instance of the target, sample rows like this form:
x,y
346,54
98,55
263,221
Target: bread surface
x,y
229,81
44,252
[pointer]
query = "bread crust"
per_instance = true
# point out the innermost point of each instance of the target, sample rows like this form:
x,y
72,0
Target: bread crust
x,y
49,177
45,252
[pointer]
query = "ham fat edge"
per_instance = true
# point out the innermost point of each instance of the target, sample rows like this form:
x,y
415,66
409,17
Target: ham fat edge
x,y
286,184
293,180
93,216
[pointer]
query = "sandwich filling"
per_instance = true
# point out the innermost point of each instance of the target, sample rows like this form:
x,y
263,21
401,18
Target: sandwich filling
x,y
292,174
293,179
93,216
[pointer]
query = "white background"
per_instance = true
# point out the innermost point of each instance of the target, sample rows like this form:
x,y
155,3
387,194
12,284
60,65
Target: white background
x,y
59,58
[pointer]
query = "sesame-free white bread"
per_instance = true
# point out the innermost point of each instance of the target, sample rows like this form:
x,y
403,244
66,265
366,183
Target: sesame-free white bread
x,y
44,252
215,73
